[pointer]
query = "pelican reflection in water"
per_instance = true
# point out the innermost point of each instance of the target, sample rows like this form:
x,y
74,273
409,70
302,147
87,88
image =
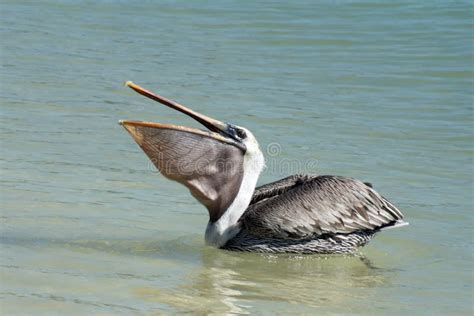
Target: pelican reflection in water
x,y
298,214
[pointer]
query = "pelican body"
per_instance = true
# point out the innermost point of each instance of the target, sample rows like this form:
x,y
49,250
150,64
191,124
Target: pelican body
x,y
299,214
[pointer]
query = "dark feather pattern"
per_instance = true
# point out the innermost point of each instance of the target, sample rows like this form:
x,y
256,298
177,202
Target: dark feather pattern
x,y
324,244
305,207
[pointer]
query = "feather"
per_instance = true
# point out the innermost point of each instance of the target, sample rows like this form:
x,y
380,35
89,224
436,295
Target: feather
x,y
317,205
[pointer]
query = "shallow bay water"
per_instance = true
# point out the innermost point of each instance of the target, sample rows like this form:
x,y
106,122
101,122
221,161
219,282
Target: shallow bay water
x,y
380,91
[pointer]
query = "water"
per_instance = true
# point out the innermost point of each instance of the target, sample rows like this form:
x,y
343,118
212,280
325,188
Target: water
x,y
381,91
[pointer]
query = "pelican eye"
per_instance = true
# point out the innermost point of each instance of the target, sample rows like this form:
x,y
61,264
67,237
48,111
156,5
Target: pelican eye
x,y
241,133
236,132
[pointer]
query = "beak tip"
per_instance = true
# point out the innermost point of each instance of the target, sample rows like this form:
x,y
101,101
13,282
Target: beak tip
x,y
121,122
128,83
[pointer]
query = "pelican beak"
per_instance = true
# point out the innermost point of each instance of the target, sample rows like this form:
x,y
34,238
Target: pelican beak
x,y
221,130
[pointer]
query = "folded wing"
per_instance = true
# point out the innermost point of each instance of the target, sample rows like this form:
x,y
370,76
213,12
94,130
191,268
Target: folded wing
x,y
320,205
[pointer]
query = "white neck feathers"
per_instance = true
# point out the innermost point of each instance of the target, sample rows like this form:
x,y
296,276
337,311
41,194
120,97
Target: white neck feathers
x,y
224,229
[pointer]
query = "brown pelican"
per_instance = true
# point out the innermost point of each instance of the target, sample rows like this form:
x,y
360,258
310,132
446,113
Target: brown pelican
x,y
298,214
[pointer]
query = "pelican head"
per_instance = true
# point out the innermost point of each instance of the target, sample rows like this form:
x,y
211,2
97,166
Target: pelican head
x,y
220,166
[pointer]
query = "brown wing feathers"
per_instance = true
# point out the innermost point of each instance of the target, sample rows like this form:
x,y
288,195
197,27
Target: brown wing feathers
x,y
321,205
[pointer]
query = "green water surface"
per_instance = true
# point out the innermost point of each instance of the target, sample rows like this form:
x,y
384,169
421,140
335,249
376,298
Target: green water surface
x,y
377,90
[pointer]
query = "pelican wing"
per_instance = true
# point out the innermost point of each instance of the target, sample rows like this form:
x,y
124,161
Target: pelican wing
x,y
319,205
209,165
